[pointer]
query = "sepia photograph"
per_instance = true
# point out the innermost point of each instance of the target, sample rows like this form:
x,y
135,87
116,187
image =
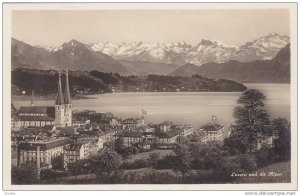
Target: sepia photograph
x,y
112,96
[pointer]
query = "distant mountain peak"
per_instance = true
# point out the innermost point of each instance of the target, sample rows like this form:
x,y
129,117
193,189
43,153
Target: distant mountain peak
x,y
73,55
205,42
73,43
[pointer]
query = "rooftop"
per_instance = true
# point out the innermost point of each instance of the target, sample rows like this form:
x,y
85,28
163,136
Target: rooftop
x,y
168,134
45,144
49,110
129,134
212,127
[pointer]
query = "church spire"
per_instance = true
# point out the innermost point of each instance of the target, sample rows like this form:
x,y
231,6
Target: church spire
x,y
67,98
59,99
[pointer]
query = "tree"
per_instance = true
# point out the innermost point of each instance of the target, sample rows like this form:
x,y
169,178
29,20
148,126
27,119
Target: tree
x,y
206,156
119,145
46,174
25,174
132,150
252,123
153,158
106,166
264,156
282,144
58,162
246,161
183,159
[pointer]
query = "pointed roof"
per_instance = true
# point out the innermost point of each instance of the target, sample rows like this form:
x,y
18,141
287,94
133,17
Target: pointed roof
x,y
59,99
67,98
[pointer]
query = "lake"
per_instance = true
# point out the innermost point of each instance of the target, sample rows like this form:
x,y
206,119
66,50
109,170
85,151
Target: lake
x,y
194,108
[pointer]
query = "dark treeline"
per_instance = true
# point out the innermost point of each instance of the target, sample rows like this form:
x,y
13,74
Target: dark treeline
x,y
44,82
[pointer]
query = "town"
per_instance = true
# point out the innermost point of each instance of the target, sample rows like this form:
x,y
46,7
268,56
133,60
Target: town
x,y
47,136
40,133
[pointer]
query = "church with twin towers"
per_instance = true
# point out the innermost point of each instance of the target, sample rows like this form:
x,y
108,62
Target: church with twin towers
x,y
63,106
59,115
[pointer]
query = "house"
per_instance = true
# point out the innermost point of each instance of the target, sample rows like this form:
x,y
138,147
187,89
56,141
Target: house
x,y
72,153
130,137
213,132
167,137
109,135
132,123
77,121
83,148
187,130
184,130
165,126
114,121
144,129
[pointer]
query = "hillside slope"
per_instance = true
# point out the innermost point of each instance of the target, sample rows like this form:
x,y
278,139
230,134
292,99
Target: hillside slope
x,y
276,70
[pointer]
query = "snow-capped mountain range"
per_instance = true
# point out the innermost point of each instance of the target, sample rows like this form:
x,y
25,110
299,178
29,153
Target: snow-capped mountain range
x,y
180,53
205,51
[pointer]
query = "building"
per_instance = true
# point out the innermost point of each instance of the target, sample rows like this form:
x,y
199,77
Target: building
x,y
59,115
130,137
72,153
184,130
63,106
212,132
82,149
165,126
16,124
36,116
41,152
168,137
109,135
187,130
132,123
106,119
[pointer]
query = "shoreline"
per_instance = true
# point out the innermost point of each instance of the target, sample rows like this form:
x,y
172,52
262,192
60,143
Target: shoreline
x,y
46,98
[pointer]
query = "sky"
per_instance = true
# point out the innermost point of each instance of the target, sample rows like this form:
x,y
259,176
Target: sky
x,y
232,27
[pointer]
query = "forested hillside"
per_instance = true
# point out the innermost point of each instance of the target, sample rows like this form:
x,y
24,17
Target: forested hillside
x,y
44,82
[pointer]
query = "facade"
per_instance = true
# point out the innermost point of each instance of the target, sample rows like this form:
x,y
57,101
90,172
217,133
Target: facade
x,y
72,153
41,152
109,135
35,116
130,137
107,119
165,126
132,123
168,137
82,149
187,130
212,132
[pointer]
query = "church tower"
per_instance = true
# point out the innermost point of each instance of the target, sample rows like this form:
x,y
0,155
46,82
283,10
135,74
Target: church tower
x,y
68,105
59,106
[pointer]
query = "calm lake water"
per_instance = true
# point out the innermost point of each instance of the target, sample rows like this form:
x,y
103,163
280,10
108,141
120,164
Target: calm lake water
x,y
194,108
